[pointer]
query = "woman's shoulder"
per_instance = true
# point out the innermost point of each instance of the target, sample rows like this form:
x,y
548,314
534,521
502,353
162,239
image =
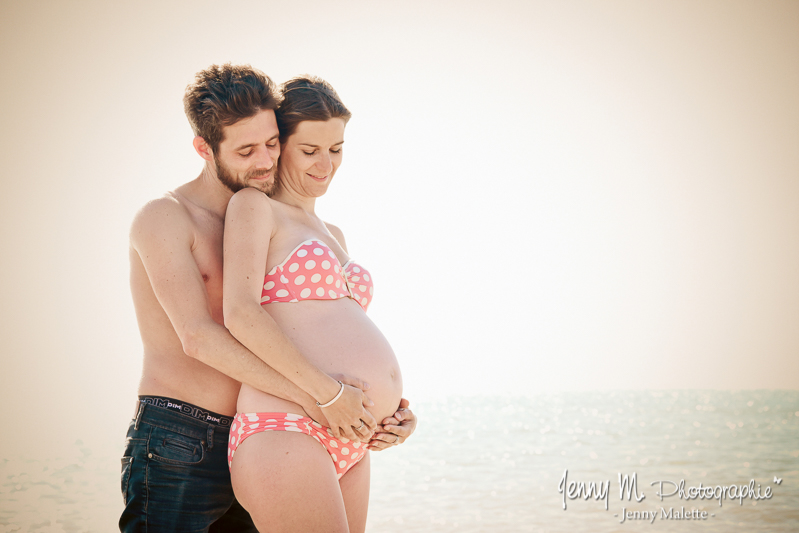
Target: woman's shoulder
x,y
250,194
250,206
250,198
337,233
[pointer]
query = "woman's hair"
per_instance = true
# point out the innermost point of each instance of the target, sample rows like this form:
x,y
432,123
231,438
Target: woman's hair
x,y
223,95
307,98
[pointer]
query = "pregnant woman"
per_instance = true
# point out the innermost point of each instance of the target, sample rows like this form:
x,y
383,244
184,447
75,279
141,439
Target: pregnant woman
x,y
289,280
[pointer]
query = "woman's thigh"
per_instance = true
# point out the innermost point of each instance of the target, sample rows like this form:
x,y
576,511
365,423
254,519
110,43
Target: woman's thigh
x,y
355,491
287,482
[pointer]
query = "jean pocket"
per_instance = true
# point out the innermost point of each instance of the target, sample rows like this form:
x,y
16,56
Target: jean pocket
x,y
174,448
127,463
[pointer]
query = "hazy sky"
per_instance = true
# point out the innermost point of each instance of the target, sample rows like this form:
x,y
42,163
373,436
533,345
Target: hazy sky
x,y
550,195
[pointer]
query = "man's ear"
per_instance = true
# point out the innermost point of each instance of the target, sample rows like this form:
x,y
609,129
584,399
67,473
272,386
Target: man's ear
x,y
203,148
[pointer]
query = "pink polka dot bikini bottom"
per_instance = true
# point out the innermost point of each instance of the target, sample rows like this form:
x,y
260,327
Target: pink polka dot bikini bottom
x,y
344,452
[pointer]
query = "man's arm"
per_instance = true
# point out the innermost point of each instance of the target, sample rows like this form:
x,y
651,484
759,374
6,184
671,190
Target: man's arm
x,y
162,236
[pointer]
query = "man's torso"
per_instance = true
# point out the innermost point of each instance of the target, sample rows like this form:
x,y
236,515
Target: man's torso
x,y
167,370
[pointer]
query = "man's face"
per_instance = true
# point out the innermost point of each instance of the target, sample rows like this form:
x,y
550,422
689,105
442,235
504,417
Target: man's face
x,y
248,153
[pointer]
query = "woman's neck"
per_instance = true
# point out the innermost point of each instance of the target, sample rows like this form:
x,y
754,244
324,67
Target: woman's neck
x,y
289,197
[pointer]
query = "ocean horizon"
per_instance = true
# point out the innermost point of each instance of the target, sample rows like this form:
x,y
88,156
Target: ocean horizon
x,y
511,463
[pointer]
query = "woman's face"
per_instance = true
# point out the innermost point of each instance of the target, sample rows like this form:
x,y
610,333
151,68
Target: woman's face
x,y
311,156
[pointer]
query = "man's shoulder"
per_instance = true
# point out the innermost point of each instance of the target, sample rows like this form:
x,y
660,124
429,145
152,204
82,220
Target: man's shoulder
x,y
161,217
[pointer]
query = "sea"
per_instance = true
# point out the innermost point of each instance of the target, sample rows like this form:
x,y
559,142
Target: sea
x,y
682,460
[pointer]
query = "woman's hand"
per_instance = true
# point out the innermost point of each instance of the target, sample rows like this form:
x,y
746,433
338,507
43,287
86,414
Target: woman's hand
x,y
396,428
348,414
315,412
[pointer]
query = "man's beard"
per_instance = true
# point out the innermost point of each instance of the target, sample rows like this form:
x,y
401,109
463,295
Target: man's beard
x,y
227,179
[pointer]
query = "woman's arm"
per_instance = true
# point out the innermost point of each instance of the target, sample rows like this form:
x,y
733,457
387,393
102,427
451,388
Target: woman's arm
x,y
249,223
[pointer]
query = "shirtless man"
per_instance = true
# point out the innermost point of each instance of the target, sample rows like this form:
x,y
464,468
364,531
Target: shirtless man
x,y
174,471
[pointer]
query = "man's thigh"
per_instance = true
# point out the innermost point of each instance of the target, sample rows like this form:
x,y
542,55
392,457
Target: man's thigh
x,y
176,482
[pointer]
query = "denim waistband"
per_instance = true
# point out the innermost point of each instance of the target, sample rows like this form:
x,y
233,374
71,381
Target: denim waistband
x,y
181,422
187,419
188,409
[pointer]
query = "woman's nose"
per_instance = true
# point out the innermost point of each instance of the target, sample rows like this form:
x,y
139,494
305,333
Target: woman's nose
x,y
325,164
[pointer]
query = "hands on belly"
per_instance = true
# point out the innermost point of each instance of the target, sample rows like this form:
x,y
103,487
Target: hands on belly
x,y
351,405
346,411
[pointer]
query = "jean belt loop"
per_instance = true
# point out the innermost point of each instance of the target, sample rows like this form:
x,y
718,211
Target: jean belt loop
x,y
138,415
210,436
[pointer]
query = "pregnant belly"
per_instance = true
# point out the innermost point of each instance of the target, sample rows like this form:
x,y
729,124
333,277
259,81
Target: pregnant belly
x,y
339,338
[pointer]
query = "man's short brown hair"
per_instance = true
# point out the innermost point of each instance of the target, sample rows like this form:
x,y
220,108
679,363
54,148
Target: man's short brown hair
x,y
223,95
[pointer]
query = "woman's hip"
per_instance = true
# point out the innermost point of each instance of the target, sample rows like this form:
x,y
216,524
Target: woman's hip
x,y
282,433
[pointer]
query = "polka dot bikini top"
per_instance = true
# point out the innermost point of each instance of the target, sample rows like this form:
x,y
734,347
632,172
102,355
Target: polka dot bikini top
x,y
313,272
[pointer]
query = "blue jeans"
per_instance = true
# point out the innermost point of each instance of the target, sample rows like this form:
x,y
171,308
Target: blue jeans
x,y
175,475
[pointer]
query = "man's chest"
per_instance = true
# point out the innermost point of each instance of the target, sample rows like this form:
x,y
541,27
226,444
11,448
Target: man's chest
x,y
208,254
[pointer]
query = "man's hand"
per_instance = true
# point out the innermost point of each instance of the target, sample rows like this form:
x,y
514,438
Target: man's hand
x,y
396,428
